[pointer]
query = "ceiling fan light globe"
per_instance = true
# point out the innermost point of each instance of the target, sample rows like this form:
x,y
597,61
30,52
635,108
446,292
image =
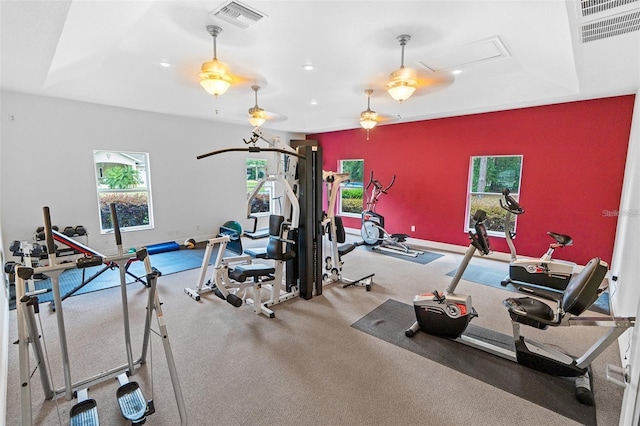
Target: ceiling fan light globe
x,y
368,119
257,116
215,78
256,121
402,83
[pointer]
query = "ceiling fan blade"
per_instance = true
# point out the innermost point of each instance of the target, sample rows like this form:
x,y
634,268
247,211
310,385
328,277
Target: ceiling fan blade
x,y
274,116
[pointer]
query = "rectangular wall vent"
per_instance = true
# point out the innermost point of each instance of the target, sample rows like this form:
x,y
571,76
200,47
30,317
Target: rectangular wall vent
x,y
610,27
590,7
238,14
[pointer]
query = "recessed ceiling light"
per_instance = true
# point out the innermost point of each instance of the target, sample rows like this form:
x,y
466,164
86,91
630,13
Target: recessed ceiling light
x,y
456,72
307,66
164,64
314,102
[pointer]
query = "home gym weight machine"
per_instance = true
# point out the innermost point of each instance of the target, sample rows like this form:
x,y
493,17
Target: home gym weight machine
x,y
304,174
230,274
334,229
132,403
448,314
373,231
535,275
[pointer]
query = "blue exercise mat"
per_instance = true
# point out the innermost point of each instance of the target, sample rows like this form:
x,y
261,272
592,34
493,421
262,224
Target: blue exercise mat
x,y
493,278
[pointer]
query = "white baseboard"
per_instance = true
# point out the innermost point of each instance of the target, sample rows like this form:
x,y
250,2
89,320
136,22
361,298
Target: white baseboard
x,y
453,248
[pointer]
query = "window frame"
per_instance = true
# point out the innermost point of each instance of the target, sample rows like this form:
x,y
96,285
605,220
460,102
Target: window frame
x,y
267,187
497,195
344,185
144,173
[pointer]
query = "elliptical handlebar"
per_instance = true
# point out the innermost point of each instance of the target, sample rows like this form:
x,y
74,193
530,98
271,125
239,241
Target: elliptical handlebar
x,y
372,197
510,204
393,179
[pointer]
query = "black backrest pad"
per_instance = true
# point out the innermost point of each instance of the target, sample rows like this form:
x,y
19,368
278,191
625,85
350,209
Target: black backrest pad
x,y
340,234
275,225
582,290
275,244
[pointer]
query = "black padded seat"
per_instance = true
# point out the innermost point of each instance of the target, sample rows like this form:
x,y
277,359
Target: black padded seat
x,y
581,292
563,240
530,311
255,270
345,249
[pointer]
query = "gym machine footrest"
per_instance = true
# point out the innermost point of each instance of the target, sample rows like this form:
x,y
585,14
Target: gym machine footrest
x,y
131,400
85,411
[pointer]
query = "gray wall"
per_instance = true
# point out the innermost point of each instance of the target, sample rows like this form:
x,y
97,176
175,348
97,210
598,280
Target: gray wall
x,y
48,161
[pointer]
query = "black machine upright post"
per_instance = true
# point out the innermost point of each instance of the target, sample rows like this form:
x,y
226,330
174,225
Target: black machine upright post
x,y
309,259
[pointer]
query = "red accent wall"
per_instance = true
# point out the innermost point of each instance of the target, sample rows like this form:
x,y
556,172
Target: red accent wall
x,y
573,166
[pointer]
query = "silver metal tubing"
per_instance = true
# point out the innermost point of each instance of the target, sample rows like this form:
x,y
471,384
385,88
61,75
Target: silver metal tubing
x,y
23,353
62,333
125,313
463,265
30,319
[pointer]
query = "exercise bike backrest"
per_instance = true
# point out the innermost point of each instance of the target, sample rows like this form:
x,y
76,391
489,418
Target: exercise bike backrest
x,y
377,191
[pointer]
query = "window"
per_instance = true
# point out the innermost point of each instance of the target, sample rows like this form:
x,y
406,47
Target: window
x,y
351,192
123,178
488,176
261,203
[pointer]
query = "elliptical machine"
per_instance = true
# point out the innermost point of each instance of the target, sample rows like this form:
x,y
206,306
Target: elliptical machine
x,y
537,275
372,230
448,314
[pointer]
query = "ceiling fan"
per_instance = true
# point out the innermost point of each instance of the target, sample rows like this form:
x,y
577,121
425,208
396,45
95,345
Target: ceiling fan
x,y
404,81
369,118
258,116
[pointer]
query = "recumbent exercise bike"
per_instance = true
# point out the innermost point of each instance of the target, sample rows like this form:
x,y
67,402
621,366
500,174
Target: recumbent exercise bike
x,y
448,314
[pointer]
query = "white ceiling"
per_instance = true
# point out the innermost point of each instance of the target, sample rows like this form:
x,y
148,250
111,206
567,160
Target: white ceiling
x,y
108,52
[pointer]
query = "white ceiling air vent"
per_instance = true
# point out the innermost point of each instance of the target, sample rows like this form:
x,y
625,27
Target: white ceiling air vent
x,y
238,14
459,56
610,27
590,7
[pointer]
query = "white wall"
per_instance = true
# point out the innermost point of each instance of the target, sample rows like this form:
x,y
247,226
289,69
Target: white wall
x,y
48,161
625,292
4,318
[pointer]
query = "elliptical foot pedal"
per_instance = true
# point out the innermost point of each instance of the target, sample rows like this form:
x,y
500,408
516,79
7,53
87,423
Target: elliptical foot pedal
x,y
131,401
85,411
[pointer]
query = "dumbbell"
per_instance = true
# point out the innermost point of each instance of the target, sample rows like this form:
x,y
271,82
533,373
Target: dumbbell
x,y
80,230
15,246
37,250
69,231
40,232
9,267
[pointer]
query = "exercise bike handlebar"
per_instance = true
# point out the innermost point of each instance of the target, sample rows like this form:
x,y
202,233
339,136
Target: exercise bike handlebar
x,y
510,204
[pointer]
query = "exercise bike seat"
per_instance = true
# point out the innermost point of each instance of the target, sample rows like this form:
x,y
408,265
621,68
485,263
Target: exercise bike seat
x,y
581,292
345,249
563,240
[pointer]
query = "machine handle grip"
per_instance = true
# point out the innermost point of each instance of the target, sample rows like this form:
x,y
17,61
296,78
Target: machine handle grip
x,y
116,225
393,179
370,180
510,204
51,247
